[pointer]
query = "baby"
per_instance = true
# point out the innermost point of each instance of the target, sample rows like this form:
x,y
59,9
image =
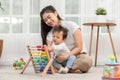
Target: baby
x,y
58,47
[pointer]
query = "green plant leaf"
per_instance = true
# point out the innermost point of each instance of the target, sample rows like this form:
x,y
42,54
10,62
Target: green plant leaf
x,y
101,11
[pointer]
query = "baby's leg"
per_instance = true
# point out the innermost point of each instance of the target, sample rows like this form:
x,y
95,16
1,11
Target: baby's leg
x,y
70,61
56,64
69,64
58,67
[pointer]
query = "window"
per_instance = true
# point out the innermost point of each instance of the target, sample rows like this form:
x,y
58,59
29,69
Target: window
x,y
22,16
72,10
19,16
82,11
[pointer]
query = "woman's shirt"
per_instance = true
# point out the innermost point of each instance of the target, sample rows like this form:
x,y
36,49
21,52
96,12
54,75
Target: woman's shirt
x,y
72,27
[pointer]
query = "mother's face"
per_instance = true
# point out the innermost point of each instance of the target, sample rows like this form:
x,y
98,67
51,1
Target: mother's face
x,y
50,19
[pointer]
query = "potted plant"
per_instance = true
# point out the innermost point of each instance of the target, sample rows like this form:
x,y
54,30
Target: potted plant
x,y
101,12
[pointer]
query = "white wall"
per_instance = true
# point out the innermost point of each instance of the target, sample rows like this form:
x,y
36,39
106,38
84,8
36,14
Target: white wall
x,y
14,47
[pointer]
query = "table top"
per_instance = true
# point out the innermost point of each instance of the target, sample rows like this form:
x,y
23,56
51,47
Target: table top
x,y
99,24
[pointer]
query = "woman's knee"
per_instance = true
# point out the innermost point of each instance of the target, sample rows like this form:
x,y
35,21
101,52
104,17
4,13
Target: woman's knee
x,y
83,62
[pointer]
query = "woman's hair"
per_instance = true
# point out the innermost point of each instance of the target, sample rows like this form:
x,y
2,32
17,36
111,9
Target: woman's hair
x,y
44,27
59,29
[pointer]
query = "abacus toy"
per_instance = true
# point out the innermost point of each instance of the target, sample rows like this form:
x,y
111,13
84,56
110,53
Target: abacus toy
x,y
40,58
111,70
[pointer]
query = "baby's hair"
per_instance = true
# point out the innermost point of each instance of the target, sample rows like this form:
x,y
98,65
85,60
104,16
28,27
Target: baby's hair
x,y
59,29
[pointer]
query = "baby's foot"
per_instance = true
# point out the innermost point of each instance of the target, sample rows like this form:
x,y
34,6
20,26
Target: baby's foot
x,y
65,70
61,70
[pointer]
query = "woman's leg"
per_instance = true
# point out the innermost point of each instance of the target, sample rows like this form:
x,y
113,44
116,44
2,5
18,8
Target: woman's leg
x,y
83,63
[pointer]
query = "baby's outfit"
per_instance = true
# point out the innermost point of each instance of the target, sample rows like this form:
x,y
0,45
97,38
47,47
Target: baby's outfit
x,y
62,49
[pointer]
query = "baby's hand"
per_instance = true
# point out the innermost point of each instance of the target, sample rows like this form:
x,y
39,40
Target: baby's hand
x,y
50,48
62,58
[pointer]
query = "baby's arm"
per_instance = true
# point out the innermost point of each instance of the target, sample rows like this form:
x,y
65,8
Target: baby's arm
x,y
49,45
50,48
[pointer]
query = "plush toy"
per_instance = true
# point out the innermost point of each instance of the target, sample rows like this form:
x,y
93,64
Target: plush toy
x,y
18,64
78,63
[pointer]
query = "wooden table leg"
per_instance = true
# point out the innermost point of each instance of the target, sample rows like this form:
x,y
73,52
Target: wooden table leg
x,y
91,34
112,43
97,46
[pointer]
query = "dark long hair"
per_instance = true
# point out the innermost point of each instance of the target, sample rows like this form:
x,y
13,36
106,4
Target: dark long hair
x,y
44,27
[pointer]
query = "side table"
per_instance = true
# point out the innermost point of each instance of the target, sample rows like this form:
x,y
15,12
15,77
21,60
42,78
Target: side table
x,y
98,25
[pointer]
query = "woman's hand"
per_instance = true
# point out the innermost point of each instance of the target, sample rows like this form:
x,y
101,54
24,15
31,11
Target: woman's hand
x,y
62,58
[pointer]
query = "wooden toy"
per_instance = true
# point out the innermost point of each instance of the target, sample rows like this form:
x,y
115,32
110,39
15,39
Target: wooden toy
x,y
40,58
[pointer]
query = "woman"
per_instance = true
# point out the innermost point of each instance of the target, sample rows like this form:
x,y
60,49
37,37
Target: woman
x,y
50,19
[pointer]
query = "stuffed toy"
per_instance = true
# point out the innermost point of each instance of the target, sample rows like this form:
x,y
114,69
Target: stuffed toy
x,y
78,63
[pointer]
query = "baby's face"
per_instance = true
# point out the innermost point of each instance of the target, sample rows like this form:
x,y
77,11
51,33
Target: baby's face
x,y
57,37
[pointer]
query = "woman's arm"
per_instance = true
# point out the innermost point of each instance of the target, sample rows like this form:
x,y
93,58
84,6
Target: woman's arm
x,y
78,46
49,45
78,42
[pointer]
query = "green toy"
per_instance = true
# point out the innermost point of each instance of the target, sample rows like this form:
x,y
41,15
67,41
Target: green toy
x,y
18,64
